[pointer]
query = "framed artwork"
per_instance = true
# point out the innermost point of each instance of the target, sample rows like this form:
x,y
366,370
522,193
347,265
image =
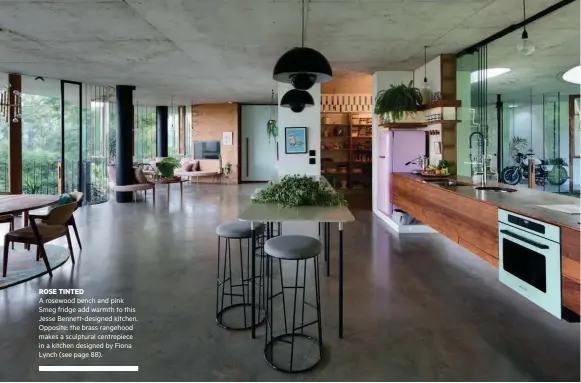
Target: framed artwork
x,y
437,147
295,140
227,138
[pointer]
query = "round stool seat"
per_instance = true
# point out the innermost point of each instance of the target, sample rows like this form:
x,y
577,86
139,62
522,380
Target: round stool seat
x,y
293,247
238,229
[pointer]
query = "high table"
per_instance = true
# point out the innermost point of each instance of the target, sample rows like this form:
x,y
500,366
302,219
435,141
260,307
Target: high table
x,y
257,212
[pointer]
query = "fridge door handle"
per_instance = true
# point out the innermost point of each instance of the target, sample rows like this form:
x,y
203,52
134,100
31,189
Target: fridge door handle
x,y
381,156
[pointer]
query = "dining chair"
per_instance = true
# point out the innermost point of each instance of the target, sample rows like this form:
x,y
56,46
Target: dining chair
x,y
53,226
7,218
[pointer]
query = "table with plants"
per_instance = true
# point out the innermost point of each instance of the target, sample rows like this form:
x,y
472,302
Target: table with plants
x,y
300,198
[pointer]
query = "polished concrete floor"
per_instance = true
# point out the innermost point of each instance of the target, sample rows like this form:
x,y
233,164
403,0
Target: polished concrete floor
x,y
417,307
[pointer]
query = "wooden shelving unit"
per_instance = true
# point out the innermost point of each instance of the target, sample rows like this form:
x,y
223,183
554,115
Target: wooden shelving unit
x,y
345,147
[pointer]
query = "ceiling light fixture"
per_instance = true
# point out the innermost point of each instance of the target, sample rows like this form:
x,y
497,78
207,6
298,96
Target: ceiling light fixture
x,y
302,66
573,75
486,74
512,106
525,46
296,100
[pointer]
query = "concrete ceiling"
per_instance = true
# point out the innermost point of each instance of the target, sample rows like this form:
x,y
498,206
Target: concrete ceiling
x,y
556,37
224,50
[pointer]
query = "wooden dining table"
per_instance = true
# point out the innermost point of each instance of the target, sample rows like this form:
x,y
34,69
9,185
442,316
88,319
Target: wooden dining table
x,y
23,203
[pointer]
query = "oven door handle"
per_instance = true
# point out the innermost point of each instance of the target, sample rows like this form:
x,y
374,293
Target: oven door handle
x,y
525,240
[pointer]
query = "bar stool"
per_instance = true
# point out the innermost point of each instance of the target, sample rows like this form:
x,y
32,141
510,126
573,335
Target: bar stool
x,y
281,351
231,231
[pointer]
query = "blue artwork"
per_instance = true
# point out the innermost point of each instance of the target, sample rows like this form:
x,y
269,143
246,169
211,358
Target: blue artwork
x,y
295,140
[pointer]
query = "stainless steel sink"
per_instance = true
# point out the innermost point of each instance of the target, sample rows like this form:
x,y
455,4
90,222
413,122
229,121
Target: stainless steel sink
x,y
495,189
440,182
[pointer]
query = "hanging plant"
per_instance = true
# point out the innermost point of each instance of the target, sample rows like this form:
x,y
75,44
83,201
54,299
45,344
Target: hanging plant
x,y
271,130
398,101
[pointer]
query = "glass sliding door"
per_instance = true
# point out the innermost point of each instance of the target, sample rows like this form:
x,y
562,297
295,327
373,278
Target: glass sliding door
x,y
71,130
41,135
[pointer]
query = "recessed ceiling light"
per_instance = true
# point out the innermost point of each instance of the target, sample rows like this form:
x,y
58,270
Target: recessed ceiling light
x,y
573,75
512,106
487,73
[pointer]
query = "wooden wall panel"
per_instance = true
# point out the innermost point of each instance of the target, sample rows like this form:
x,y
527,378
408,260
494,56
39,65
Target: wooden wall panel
x,y
570,243
209,121
481,253
570,295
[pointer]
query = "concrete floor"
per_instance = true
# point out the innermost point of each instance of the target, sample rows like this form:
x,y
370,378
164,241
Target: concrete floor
x,y
417,307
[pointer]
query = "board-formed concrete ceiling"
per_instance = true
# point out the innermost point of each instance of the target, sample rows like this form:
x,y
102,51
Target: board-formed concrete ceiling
x,y
557,38
224,50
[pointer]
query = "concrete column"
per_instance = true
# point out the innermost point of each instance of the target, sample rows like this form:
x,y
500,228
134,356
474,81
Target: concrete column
x,y
125,174
310,118
161,113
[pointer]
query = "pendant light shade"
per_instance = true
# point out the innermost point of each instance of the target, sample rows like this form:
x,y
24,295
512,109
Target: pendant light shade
x,y
525,46
302,67
296,100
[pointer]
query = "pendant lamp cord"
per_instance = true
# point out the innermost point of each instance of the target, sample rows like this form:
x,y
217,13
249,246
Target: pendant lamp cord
x,y
524,13
272,104
425,63
303,25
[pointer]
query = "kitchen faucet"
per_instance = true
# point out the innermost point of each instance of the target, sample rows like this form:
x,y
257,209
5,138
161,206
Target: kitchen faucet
x,y
483,156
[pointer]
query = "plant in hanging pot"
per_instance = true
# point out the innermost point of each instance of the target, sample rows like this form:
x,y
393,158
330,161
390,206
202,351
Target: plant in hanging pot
x,y
398,102
271,130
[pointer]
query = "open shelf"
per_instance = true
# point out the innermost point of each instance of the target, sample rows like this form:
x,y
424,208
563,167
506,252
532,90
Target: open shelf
x,y
416,125
441,104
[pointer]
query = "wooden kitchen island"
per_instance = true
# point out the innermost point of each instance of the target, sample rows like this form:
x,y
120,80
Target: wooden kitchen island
x,y
469,217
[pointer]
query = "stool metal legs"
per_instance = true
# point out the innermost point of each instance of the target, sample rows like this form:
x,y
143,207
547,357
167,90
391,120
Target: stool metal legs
x,y
225,288
293,340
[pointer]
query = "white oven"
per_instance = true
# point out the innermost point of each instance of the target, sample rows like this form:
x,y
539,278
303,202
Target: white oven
x,y
529,253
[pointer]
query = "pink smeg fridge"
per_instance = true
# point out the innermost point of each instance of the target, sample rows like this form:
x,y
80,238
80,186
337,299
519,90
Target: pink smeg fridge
x,y
396,148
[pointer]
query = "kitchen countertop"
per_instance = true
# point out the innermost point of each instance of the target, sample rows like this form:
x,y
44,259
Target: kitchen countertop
x,y
524,201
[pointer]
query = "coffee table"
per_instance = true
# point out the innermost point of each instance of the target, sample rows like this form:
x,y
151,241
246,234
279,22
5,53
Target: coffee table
x,y
169,182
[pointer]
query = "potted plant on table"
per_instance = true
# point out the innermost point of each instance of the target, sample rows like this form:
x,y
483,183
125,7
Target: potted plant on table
x,y
398,102
167,166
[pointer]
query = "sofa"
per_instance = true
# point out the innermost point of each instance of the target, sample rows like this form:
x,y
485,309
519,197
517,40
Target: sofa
x,y
191,168
141,183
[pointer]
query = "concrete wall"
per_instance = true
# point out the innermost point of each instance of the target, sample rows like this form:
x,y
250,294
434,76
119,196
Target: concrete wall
x,y
433,73
309,118
209,121
261,156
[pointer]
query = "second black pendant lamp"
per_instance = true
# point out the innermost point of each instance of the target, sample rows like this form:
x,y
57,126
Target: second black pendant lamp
x,y
302,66
296,100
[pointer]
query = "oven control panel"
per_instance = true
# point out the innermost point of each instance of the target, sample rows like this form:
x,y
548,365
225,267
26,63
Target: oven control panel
x,y
530,225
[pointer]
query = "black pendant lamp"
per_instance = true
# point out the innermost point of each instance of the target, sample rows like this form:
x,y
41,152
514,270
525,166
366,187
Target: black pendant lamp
x,y
296,100
302,66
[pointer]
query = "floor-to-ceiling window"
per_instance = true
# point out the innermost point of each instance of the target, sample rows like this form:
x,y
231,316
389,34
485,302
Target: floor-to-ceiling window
x,y
95,142
144,135
534,99
41,135
522,105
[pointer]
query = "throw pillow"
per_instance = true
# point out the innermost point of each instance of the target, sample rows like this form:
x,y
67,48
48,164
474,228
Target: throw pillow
x,y
63,200
188,167
196,166
140,177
